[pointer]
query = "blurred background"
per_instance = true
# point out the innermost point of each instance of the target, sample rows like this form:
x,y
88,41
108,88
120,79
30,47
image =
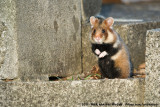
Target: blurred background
x,y
126,1
132,9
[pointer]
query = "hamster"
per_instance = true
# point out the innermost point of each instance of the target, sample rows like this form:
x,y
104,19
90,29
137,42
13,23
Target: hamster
x,y
113,57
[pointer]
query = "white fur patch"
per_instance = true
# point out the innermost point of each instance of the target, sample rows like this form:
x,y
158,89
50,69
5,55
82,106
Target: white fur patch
x,y
103,54
116,55
115,45
110,37
97,51
100,41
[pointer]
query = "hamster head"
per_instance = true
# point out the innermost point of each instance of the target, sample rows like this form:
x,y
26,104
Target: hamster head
x,y
102,30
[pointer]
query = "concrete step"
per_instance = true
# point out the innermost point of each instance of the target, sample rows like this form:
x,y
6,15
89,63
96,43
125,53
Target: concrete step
x,y
42,37
71,93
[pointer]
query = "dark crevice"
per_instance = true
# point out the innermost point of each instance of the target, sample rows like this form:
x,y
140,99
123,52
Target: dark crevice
x,y
55,78
7,80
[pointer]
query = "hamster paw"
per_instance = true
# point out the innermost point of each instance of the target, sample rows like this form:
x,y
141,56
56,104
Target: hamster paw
x,y
103,54
97,51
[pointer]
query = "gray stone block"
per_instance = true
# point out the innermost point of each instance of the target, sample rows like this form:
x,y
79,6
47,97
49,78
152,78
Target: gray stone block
x,y
90,8
152,91
40,38
133,34
70,93
49,37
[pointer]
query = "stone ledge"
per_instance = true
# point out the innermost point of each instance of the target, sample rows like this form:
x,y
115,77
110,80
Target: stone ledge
x,y
70,93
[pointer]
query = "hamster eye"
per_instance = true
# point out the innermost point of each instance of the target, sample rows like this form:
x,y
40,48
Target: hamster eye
x,y
103,31
94,31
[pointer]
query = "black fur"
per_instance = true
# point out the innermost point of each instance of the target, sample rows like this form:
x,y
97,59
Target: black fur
x,y
106,64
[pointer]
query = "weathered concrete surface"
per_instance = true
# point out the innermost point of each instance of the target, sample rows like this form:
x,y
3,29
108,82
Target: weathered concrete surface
x,y
90,8
70,93
49,37
8,40
152,91
133,34
40,38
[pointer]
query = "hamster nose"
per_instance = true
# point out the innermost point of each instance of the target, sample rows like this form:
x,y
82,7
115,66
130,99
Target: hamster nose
x,y
98,38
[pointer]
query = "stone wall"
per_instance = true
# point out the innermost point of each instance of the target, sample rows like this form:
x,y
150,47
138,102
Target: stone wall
x,y
42,38
49,37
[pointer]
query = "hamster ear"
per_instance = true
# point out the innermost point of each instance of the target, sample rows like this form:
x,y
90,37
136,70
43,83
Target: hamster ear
x,y
93,21
109,22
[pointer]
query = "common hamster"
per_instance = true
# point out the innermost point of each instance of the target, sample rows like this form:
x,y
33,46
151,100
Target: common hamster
x,y
113,57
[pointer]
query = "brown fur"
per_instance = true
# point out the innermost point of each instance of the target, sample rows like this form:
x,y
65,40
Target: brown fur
x,y
123,63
